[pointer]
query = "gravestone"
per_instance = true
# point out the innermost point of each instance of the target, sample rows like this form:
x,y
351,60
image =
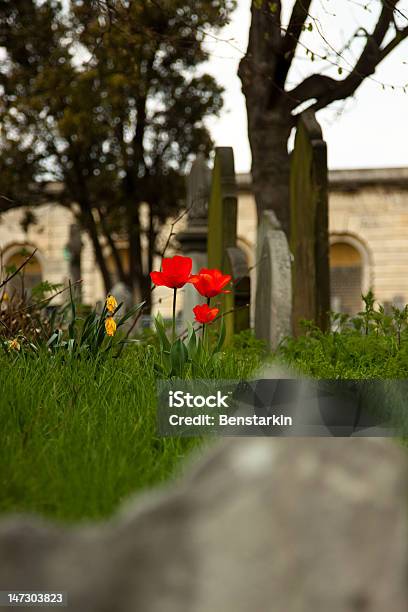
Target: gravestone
x,y
193,239
262,524
240,296
222,212
309,242
222,249
273,304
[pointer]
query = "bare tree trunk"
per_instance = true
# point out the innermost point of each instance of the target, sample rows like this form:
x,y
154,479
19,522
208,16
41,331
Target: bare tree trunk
x,y
268,136
271,103
120,271
99,256
81,192
135,255
269,113
151,248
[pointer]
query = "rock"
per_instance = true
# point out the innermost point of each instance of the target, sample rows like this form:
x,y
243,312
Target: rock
x,y
290,525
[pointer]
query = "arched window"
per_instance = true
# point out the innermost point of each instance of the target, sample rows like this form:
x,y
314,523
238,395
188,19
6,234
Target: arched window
x,y
30,276
346,277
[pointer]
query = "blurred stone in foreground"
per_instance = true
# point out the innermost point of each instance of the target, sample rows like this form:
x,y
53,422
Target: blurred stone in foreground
x,y
263,524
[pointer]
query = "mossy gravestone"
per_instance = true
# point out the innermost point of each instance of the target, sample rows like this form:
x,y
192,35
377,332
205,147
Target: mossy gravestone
x,y
193,238
309,225
222,249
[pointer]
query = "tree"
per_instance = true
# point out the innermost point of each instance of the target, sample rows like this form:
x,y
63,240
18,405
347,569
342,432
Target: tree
x,y
272,103
104,97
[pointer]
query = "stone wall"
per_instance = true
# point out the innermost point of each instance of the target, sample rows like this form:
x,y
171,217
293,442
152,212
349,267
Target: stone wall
x,y
368,209
375,221
50,235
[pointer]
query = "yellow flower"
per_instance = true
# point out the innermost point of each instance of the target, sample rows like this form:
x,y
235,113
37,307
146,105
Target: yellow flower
x,y
110,326
5,296
111,303
14,344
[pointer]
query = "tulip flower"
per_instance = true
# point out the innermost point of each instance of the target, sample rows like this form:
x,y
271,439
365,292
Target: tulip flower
x,y
175,272
204,314
210,283
110,326
14,345
111,303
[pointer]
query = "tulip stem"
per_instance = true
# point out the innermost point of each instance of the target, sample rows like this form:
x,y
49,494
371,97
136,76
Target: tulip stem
x,y
205,333
174,314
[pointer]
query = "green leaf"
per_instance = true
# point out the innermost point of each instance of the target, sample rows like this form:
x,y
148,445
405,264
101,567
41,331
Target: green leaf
x,y
221,337
88,326
179,357
161,332
130,313
55,338
166,362
192,343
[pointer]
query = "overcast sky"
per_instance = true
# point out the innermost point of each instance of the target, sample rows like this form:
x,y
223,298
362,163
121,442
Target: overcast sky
x,y
372,129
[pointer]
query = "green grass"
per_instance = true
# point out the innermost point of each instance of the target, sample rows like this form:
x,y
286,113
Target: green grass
x,y
357,356
79,437
346,355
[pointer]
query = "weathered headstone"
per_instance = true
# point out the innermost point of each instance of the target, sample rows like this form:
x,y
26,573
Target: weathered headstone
x,y
261,524
240,297
273,304
222,212
309,224
223,252
193,239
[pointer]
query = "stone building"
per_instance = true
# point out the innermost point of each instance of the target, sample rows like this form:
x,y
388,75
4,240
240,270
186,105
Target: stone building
x,y
368,227
368,223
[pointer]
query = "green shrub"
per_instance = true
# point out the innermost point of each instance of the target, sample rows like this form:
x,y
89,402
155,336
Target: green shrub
x,y
373,344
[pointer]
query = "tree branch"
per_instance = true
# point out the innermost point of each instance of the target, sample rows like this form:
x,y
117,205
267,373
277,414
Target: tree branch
x,y
294,30
400,35
25,262
264,42
326,89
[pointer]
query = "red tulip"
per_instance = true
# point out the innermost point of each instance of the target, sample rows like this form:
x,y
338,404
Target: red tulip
x,y
205,314
175,272
210,283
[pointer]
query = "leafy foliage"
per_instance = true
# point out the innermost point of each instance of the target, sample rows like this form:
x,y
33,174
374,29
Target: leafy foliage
x,y
190,357
105,98
27,318
372,344
86,338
